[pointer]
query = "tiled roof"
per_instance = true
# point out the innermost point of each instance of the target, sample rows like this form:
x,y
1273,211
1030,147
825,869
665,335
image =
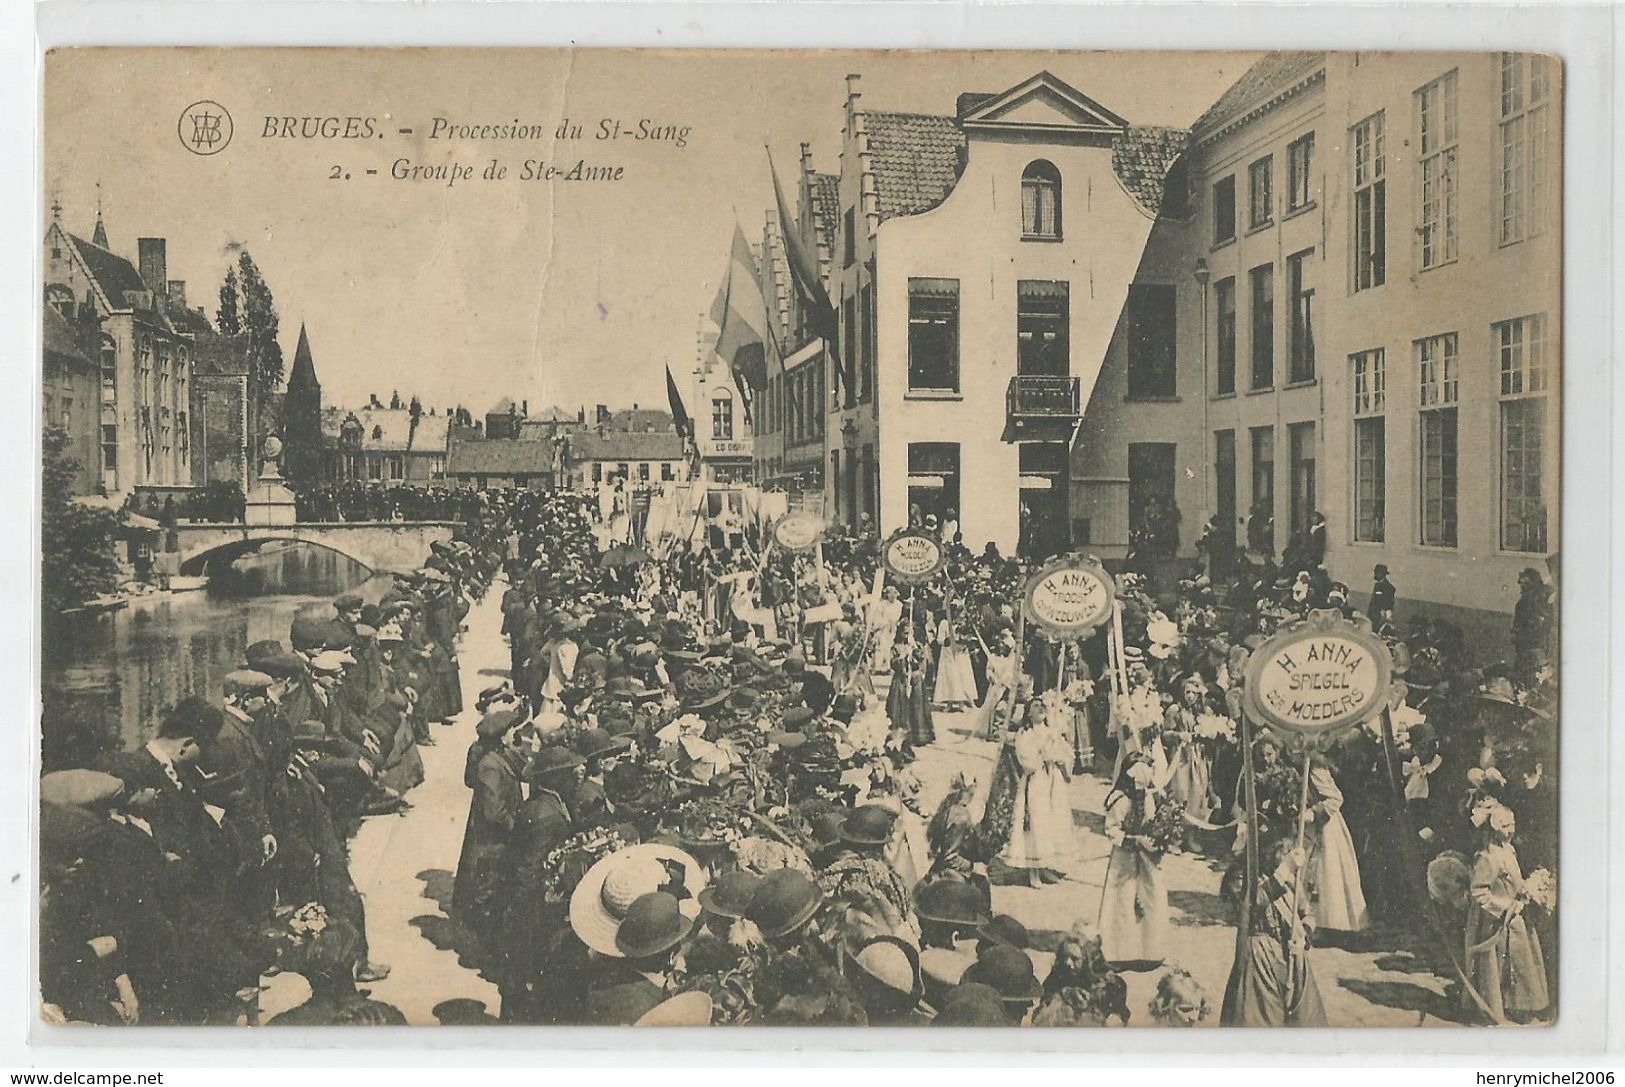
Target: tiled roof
x,y
826,202
59,338
112,273
499,457
1268,75
640,419
916,159
625,445
394,427
182,319
1142,156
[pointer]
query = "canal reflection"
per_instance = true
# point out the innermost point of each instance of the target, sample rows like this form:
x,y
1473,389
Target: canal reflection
x,y
107,679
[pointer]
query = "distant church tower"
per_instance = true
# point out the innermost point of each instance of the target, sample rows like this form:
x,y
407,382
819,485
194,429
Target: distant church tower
x,y
302,418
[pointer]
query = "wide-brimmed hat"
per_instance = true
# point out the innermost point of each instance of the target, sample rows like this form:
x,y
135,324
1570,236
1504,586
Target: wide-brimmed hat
x,y
495,725
732,893
784,902
549,761
246,681
797,718
698,688
1007,931
889,962
972,1004
1010,971
606,893
952,902
869,825
690,1009
597,742
85,788
653,923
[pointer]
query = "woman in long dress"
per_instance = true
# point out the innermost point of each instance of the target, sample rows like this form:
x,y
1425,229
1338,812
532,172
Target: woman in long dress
x,y
1041,821
1001,675
1274,985
956,681
1505,962
1334,872
1134,905
906,703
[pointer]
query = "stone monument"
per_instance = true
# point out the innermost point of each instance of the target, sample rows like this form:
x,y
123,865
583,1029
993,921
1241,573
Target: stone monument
x,y
270,502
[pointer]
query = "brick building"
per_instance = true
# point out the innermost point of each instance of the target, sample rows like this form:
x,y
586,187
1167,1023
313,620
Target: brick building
x,y
71,388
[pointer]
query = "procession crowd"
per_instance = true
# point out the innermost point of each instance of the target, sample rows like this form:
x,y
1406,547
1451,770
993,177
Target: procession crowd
x,y
690,802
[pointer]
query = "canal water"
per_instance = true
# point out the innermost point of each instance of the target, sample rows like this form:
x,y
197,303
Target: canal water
x,y
107,679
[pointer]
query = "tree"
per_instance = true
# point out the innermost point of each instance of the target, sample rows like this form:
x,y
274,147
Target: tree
x,y
247,307
228,317
76,542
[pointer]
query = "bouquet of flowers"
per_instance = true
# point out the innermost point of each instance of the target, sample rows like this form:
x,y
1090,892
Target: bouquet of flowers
x,y
867,733
1215,726
1164,831
1163,634
1541,888
705,821
307,922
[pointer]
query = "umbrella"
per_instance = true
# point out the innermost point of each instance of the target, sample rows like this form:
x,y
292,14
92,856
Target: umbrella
x,y
624,555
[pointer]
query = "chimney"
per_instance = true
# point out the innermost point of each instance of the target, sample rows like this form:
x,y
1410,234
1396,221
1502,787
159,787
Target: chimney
x,y
602,414
524,408
177,292
153,263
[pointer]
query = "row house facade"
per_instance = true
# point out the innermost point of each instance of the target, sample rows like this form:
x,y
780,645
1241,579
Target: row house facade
x,y
1368,298
143,355
1336,293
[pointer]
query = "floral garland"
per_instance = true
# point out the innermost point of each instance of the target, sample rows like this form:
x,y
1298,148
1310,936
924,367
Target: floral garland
x,y
585,847
1164,831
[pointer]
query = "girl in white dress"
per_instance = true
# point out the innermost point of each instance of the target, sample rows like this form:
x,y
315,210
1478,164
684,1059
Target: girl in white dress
x,y
1041,826
956,680
1134,907
1334,873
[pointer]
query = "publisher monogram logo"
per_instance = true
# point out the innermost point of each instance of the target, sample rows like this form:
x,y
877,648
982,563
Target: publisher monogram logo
x,y
205,128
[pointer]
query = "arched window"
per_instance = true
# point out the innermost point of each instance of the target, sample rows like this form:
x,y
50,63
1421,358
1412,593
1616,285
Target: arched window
x,y
1041,201
722,416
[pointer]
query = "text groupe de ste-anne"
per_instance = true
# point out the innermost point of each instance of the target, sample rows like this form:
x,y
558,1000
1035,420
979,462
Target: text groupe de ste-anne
x,y
1328,683
442,128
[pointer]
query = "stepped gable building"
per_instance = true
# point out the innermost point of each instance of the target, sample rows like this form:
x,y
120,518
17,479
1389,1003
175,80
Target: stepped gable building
x,y
144,354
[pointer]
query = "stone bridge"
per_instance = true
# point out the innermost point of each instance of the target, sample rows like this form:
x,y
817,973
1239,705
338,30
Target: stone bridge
x,y
381,546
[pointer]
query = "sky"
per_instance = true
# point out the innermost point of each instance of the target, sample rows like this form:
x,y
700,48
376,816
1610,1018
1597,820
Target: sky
x,y
564,293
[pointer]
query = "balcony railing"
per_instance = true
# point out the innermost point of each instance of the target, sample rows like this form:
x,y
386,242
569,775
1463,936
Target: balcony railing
x,y
1033,396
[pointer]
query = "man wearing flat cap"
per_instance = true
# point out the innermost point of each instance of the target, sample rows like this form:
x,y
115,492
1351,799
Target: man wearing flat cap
x,y
237,760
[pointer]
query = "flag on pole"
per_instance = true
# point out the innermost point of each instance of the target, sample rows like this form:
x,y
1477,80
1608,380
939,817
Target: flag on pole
x,y
744,336
821,316
679,414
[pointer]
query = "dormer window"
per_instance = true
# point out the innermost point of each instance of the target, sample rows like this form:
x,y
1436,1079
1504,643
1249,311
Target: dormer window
x,y
1041,201
377,433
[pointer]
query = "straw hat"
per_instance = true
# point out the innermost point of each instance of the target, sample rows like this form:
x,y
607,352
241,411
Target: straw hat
x,y
692,1009
605,894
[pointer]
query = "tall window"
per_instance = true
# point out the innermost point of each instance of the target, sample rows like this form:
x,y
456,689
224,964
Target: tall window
x,y
1260,196
849,345
1151,369
1041,201
1300,161
1437,394
1370,204
933,477
1263,442
1525,127
1436,123
866,381
1224,295
1224,210
1262,281
933,334
1043,309
849,237
1301,332
1224,477
1370,446
1525,381
1301,463
722,417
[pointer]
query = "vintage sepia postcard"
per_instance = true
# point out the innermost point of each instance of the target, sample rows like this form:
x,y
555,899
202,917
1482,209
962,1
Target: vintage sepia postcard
x,y
604,537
